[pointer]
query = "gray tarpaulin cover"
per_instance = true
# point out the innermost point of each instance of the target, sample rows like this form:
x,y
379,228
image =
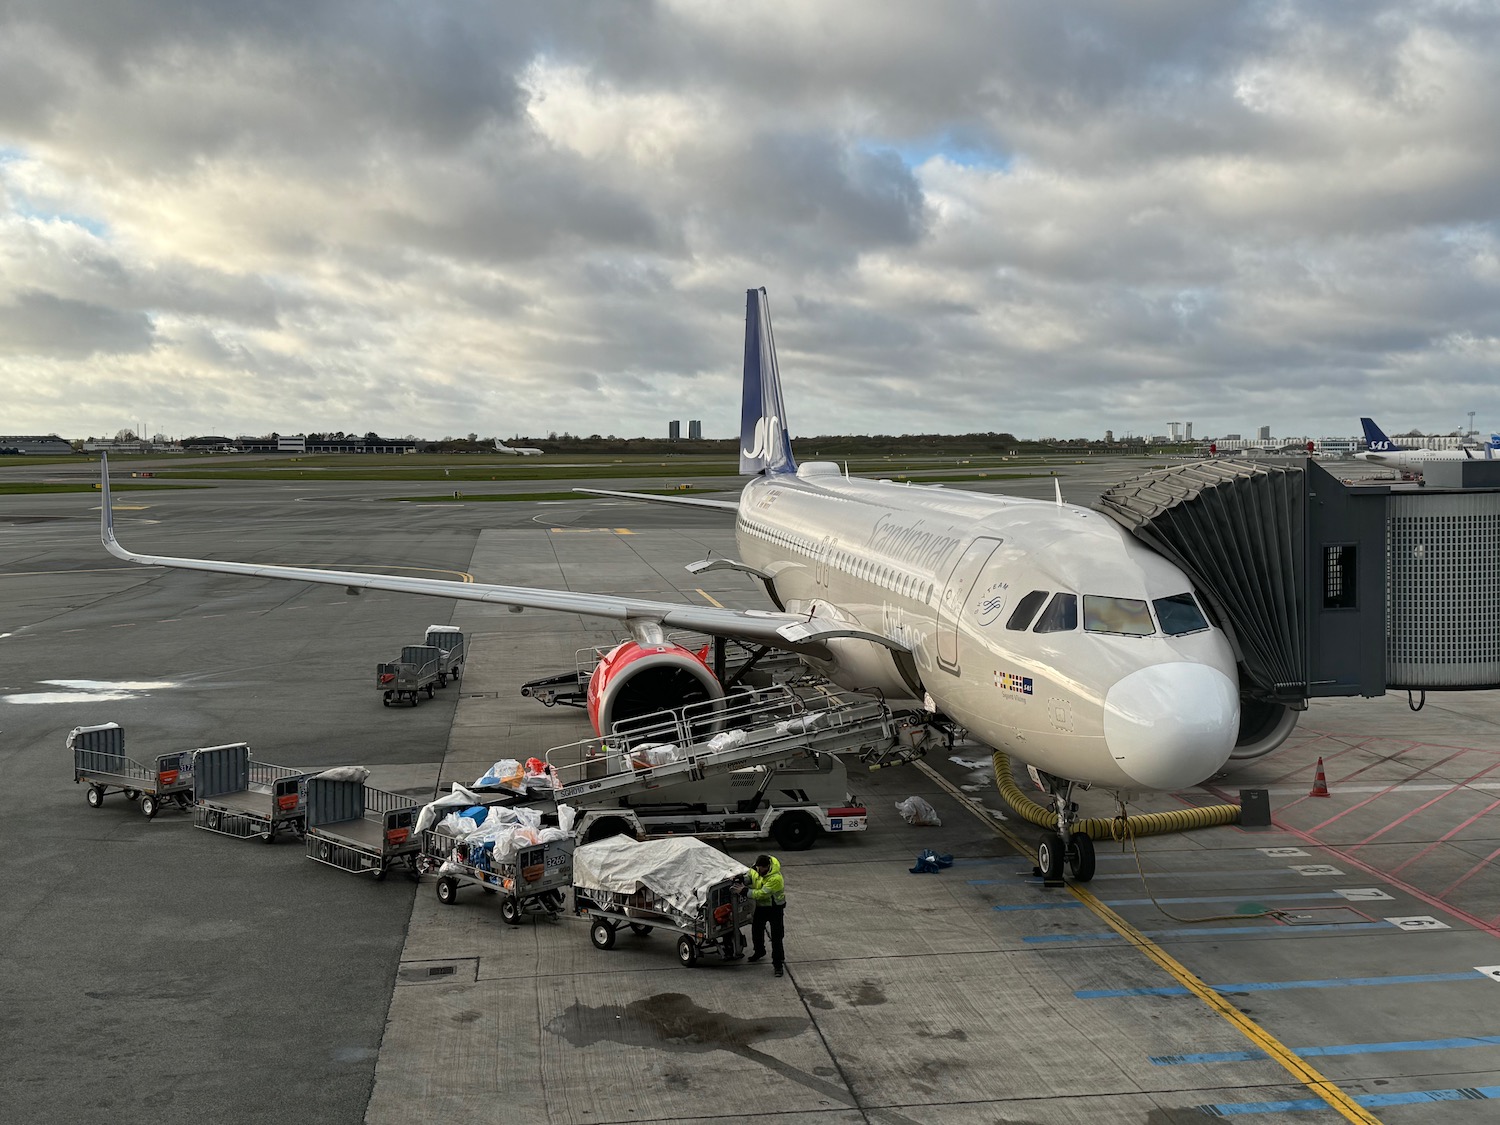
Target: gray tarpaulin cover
x,y
76,731
344,773
680,871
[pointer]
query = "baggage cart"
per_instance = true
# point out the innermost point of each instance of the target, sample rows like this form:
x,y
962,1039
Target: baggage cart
x,y
358,828
449,641
534,880
684,885
99,761
239,796
402,681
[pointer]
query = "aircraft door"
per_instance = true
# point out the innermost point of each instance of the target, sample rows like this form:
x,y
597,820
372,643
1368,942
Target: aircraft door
x,y
961,581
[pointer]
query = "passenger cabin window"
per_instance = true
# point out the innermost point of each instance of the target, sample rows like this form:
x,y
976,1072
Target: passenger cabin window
x,y
1117,615
1179,614
1060,616
1026,610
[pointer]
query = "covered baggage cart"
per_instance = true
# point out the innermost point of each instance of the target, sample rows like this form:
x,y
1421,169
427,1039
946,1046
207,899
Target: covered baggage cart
x,y
356,827
402,681
682,885
449,641
239,796
99,761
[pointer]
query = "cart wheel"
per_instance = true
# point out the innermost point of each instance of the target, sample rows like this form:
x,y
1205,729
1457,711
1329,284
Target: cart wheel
x,y
416,697
795,831
429,691
95,796
380,873
148,805
602,934
212,820
447,890
687,951
270,836
639,930
325,851
386,702
132,794
510,910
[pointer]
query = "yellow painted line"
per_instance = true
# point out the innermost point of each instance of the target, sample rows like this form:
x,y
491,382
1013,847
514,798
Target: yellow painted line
x,y
709,598
90,570
623,531
1314,1079
589,530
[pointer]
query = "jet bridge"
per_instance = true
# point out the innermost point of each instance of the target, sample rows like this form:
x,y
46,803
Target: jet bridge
x,y
1329,588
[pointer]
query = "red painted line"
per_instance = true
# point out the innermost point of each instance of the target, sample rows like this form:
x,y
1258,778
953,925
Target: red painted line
x,y
1424,806
1475,870
1445,837
1395,784
1303,765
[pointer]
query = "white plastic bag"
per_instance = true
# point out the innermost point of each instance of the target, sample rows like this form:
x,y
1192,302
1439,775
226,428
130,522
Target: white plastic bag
x,y
918,813
726,740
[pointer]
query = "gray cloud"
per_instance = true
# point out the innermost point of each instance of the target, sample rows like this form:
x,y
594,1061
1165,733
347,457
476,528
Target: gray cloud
x,y
1044,219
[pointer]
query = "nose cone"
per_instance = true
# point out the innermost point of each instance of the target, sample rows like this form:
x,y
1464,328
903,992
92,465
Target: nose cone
x,y
1172,725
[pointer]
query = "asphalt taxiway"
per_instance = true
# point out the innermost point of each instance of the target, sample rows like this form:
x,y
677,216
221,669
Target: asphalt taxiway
x,y
1341,965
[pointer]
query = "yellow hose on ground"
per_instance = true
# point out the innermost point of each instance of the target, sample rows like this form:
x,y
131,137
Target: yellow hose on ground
x,y
1116,828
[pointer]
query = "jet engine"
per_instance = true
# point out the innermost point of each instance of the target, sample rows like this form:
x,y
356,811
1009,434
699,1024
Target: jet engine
x,y
634,680
1263,727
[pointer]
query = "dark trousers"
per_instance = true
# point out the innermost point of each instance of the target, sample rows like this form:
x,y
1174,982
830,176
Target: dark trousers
x,y
773,917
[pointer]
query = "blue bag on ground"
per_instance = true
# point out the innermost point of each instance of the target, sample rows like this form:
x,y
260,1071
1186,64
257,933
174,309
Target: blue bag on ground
x,y
930,863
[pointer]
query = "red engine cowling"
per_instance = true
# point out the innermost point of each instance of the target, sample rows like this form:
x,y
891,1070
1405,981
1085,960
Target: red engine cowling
x,y
634,680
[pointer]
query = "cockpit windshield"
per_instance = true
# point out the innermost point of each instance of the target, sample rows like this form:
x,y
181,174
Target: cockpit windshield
x,y
1117,615
1180,614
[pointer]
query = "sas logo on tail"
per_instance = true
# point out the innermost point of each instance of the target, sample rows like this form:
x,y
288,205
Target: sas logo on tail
x,y
1010,681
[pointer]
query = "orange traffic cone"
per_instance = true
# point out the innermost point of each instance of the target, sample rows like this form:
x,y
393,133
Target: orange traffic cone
x,y
1320,783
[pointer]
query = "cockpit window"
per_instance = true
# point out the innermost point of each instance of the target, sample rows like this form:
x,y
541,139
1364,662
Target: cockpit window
x,y
1117,615
1179,614
1060,616
1026,609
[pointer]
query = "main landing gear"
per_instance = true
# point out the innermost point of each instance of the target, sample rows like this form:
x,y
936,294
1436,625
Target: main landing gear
x,y
1064,846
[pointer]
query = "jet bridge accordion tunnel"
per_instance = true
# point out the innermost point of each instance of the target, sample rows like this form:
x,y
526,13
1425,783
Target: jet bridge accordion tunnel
x,y
1328,588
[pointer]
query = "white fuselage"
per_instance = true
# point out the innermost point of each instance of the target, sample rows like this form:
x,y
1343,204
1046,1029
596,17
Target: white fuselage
x,y
940,572
1413,460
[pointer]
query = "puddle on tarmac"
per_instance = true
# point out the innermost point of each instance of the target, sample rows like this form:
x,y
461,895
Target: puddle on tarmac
x,y
91,691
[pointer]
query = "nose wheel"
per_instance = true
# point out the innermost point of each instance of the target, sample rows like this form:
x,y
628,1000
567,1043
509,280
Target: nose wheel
x,y
1064,848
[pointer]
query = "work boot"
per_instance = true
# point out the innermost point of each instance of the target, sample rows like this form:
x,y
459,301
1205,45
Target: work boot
x,y
778,970
756,956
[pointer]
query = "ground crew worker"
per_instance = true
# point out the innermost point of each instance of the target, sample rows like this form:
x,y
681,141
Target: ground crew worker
x,y
768,891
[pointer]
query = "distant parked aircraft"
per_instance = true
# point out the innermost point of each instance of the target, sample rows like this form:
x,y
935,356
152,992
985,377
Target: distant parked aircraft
x,y
520,450
1383,451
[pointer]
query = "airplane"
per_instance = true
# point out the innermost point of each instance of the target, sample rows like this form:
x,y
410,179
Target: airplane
x,y
1041,627
1383,451
520,450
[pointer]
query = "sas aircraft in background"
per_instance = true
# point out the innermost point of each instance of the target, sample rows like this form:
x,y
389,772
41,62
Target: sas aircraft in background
x,y
1383,451
1042,627
518,450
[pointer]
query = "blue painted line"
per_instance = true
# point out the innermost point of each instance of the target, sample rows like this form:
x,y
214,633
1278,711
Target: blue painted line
x,y
1336,1051
1368,1101
1311,895
1272,873
1222,931
1279,985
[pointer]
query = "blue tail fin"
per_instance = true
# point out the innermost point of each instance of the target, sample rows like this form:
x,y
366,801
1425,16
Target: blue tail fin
x,y
764,444
1376,440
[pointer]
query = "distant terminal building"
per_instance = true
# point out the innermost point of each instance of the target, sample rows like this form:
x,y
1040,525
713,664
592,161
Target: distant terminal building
x,y
695,430
291,443
674,430
21,444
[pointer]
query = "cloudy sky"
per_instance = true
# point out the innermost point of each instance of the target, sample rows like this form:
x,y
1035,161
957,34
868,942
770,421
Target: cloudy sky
x,y
239,216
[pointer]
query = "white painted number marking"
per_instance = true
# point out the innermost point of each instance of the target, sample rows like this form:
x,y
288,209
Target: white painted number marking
x,y
1364,894
1317,869
1419,923
1491,971
1279,852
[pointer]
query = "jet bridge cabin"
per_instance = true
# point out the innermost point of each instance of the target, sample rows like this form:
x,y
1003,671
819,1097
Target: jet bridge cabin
x,y
1329,588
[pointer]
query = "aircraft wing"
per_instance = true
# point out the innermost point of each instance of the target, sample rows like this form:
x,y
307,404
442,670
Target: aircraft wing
x,y
793,632
686,501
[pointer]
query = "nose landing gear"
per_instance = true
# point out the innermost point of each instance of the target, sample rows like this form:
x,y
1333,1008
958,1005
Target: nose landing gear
x,y
1064,846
